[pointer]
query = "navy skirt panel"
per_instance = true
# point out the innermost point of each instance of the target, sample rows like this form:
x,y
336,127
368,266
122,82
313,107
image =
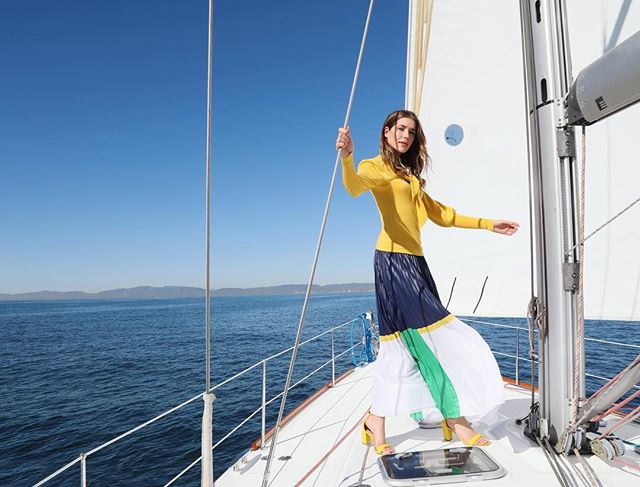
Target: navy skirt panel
x,y
406,294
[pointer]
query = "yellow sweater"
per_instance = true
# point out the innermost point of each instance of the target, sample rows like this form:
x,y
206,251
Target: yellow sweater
x,y
404,207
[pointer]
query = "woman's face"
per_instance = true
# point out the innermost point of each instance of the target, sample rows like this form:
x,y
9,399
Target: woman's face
x,y
401,135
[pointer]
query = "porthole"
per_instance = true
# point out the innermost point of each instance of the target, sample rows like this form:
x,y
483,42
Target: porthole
x,y
453,134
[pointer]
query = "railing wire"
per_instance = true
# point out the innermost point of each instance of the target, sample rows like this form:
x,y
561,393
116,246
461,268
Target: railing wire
x,y
263,362
84,456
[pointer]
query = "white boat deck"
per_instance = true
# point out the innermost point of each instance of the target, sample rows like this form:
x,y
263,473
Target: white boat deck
x,y
323,443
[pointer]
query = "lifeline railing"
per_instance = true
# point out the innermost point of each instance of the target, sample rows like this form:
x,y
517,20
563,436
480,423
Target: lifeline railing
x,y
524,330
82,458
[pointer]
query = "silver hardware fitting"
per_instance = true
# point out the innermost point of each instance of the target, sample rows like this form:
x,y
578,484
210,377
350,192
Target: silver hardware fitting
x,y
569,440
566,142
608,448
239,464
561,112
579,402
571,275
543,428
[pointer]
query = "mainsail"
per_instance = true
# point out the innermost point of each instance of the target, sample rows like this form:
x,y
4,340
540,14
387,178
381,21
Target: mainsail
x,y
472,105
612,262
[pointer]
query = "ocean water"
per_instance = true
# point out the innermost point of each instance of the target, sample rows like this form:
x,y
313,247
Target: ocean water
x,y
74,375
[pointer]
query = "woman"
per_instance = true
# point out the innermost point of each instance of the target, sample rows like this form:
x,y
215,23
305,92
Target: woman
x,y
429,361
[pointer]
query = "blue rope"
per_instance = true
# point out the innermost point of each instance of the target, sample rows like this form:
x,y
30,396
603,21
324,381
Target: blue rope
x,y
635,446
364,354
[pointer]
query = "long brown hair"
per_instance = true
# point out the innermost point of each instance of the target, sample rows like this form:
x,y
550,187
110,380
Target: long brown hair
x,y
416,159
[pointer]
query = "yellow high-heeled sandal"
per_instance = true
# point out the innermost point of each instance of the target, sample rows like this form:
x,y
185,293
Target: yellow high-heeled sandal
x,y
368,438
447,433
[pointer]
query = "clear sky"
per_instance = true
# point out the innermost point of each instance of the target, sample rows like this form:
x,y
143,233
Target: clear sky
x,y
102,138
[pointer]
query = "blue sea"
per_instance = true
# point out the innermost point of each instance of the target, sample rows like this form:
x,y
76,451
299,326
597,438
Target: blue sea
x,y
74,375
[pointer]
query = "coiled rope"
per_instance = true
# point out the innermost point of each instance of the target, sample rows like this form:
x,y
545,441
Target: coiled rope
x,y
365,354
276,430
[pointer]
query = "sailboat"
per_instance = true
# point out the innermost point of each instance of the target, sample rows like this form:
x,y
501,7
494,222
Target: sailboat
x,y
473,69
493,83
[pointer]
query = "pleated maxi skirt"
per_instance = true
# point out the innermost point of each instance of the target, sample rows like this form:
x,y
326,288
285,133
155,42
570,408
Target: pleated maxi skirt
x,y
429,361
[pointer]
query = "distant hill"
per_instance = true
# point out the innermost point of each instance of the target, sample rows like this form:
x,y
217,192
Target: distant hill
x,y
168,292
352,287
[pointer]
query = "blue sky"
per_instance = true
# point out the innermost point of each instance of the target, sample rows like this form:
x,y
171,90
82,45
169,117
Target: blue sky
x,y
102,140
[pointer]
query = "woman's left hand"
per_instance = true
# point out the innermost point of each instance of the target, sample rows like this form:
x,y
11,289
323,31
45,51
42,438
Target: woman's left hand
x,y
505,227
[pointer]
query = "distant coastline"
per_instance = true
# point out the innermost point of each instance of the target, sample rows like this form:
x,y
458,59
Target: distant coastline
x,y
172,292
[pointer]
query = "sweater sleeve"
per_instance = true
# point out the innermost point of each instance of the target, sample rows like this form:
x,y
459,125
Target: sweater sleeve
x,y
445,216
367,177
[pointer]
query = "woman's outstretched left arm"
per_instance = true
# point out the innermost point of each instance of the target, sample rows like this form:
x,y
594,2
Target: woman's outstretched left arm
x,y
445,216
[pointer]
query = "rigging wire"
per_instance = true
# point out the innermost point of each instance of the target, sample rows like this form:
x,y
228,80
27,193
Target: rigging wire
x,y
553,462
455,278
481,293
610,220
626,464
591,474
534,309
207,297
208,396
632,416
617,407
274,437
574,473
615,379
579,350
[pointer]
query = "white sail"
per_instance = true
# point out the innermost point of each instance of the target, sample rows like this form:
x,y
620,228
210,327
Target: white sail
x,y
612,257
474,79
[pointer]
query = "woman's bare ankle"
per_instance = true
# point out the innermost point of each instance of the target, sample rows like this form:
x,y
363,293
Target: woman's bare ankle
x,y
376,425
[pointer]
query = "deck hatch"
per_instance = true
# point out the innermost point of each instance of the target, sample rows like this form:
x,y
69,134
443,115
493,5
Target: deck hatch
x,y
444,466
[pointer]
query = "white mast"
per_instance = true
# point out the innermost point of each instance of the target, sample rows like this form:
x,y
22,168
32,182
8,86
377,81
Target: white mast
x,y
610,84
553,176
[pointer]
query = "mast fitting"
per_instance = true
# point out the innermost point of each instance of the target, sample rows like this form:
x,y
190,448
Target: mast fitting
x,y
571,276
566,142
